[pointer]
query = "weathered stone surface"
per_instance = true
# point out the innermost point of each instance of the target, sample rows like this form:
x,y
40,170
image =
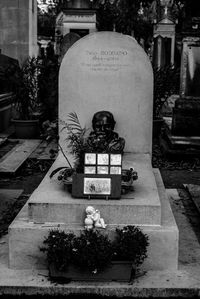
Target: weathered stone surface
x,y
16,157
26,238
18,28
109,71
52,203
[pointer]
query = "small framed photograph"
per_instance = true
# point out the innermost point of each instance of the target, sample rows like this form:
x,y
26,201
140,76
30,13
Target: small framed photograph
x,y
102,169
102,159
115,170
90,159
97,186
115,159
90,170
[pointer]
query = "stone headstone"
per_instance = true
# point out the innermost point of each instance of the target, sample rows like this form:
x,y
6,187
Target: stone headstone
x,y
186,119
109,71
190,79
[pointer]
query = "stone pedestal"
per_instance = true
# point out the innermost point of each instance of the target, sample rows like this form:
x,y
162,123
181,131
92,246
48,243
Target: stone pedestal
x,y
52,203
50,207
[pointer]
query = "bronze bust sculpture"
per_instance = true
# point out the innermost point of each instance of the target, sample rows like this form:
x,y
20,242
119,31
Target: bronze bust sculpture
x,y
103,138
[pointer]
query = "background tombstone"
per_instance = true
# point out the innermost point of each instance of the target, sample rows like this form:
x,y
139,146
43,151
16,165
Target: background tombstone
x,y
186,114
109,71
68,40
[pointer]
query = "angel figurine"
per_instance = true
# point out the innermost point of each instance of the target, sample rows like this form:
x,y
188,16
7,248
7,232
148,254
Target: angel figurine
x,y
93,218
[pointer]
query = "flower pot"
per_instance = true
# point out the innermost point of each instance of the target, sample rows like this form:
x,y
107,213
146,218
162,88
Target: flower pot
x,y
26,129
117,271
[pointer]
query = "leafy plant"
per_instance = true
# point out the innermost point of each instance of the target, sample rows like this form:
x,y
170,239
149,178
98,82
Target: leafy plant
x,y
76,140
130,244
24,83
48,86
93,251
59,246
127,17
166,83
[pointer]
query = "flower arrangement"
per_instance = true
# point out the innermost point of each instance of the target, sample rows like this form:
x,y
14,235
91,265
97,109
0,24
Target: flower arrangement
x,y
130,244
59,248
79,142
93,251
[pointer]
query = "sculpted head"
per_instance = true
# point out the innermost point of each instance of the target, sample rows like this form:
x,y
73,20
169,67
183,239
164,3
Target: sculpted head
x,y
90,210
103,122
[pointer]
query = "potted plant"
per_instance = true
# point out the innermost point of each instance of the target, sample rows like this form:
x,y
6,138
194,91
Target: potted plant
x,y
58,246
93,256
166,83
130,245
27,105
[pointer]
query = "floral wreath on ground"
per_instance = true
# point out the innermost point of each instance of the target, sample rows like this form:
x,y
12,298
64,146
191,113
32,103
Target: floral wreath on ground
x,y
78,145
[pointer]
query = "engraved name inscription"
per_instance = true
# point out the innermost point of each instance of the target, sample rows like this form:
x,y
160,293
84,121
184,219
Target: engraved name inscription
x,y
105,60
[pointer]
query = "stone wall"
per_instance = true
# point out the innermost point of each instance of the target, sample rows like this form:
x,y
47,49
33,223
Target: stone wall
x,y
18,28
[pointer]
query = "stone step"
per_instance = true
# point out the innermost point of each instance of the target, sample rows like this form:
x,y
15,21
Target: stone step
x,y
10,162
26,238
42,152
50,202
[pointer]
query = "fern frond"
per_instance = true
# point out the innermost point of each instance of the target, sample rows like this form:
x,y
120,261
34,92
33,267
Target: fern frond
x,y
74,122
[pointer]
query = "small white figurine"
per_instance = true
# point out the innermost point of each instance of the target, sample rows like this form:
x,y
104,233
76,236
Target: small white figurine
x,y
93,218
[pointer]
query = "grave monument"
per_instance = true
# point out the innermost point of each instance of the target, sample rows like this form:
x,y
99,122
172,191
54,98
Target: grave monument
x,y
104,71
184,134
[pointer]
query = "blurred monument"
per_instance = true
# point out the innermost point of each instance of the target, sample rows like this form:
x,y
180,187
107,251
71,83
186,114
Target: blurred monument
x,y
68,40
77,18
184,134
18,28
164,34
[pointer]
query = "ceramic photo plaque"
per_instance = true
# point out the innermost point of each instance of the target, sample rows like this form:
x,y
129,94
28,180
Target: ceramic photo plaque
x,y
115,159
90,159
115,170
102,159
102,169
97,186
90,170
